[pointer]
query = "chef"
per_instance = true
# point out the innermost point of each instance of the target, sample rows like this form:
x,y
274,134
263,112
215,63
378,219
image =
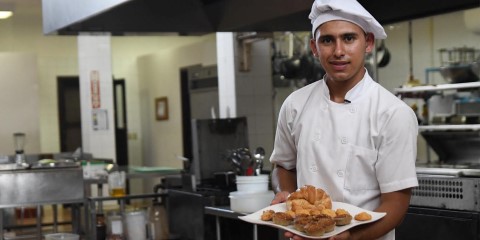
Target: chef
x,y
345,133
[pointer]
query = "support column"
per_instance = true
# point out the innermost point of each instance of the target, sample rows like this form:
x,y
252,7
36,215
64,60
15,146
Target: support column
x,y
96,95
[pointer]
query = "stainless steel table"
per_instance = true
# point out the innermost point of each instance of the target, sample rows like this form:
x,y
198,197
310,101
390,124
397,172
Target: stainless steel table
x,y
22,187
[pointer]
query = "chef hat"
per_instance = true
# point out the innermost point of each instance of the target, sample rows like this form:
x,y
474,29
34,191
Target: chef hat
x,y
347,10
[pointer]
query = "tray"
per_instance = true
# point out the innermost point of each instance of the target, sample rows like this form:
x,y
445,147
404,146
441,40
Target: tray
x,y
281,207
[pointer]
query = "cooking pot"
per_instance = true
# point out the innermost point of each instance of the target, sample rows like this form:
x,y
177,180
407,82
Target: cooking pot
x,y
383,56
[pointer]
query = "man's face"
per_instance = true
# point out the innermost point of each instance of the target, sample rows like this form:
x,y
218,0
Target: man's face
x,y
340,46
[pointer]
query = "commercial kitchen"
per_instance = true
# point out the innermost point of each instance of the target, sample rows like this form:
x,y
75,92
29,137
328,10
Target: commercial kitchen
x,y
197,86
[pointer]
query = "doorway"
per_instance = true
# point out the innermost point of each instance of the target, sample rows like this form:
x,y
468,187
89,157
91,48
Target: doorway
x,y
69,113
70,122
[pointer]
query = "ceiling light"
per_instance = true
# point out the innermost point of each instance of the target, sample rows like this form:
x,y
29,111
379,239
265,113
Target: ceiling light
x,y
5,14
6,10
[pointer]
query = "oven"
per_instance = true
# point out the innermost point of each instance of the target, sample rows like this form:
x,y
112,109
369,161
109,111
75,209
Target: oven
x,y
446,204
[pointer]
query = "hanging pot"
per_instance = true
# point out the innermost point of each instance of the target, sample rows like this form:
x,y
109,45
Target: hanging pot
x,y
383,55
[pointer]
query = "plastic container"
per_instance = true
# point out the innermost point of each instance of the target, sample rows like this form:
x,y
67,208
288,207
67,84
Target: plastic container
x,y
136,224
249,202
64,236
252,183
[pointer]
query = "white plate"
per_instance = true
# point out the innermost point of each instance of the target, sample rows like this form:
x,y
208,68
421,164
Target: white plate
x,y
281,207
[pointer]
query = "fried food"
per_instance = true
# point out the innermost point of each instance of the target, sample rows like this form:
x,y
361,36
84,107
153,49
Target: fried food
x,y
363,216
327,222
329,212
309,197
301,221
282,218
267,215
342,217
314,228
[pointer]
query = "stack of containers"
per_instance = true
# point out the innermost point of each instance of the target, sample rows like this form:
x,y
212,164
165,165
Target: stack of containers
x,y
252,194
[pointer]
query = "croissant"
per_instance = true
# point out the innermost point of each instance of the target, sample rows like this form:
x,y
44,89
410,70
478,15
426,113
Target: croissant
x,y
309,197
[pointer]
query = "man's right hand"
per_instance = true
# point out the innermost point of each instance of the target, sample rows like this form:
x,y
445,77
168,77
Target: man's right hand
x,y
280,197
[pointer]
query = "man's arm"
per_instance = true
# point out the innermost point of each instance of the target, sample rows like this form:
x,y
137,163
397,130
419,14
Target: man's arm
x,y
395,204
284,182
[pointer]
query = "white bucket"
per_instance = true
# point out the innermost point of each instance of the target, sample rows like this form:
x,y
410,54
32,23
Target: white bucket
x,y
63,236
136,225
252,183
249,202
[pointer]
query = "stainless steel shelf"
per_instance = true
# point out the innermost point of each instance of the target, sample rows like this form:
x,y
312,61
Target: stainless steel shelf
x,y
440,87
472,127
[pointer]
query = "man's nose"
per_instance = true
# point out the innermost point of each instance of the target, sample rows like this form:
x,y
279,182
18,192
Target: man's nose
x,y
339,49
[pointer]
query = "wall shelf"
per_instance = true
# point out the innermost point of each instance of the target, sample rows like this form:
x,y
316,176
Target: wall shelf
x,y
456,127
439,87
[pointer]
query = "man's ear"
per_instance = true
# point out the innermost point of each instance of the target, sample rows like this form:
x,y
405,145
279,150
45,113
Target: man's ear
x,y
313,47
370,42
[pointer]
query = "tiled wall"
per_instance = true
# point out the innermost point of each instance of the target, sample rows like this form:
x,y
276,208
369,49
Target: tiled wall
x,y
254,91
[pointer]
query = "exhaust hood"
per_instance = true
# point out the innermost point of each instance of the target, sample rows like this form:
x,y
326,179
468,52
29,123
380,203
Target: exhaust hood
x,y
197,17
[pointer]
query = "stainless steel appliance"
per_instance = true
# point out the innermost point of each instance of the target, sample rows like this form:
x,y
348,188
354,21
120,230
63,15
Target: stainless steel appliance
x,y
446,204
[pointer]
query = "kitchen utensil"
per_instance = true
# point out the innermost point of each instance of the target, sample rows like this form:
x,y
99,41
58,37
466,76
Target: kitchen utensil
x,y
246,161
236,162
259,156
19,143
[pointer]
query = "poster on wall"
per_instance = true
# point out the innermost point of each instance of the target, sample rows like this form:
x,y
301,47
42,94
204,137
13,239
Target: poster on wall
x,y
99,119
95,88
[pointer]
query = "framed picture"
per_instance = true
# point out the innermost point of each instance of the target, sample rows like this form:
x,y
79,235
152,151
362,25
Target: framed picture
x,y
161,108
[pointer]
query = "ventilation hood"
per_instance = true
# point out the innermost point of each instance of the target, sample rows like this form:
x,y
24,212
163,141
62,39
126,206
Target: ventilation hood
x,y
194,17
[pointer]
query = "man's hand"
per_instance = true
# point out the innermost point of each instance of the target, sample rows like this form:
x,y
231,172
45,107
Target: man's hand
x,y
280,197
342,236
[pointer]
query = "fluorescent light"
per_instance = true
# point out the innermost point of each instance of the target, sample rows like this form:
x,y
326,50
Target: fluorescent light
x,y
5,14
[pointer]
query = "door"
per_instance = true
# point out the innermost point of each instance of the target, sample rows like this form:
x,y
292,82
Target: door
x,y
69,112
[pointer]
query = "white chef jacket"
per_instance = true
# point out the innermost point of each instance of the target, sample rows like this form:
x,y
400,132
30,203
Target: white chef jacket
x,y
355,151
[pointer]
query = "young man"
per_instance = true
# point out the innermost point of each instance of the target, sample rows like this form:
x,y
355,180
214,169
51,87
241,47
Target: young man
x,y
345,133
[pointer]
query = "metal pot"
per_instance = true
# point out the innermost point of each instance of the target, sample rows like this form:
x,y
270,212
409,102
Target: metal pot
x,y
383,57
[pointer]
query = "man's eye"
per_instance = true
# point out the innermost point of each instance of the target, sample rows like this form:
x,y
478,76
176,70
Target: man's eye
x,y
326,40
349,38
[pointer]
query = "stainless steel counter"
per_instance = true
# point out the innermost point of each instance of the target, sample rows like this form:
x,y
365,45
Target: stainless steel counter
x,y
26,186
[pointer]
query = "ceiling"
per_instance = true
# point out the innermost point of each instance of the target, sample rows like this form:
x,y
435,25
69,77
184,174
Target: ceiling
x,y
196,17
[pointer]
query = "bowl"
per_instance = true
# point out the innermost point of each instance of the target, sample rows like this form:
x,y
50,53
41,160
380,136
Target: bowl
x,y
249,202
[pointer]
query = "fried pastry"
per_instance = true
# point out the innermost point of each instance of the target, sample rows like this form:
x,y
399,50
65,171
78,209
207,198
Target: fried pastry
x,y
267,215
282,218
363,216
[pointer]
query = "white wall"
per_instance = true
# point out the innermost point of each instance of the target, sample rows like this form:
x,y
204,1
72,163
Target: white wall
x,y
18,101
57,56
254,93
